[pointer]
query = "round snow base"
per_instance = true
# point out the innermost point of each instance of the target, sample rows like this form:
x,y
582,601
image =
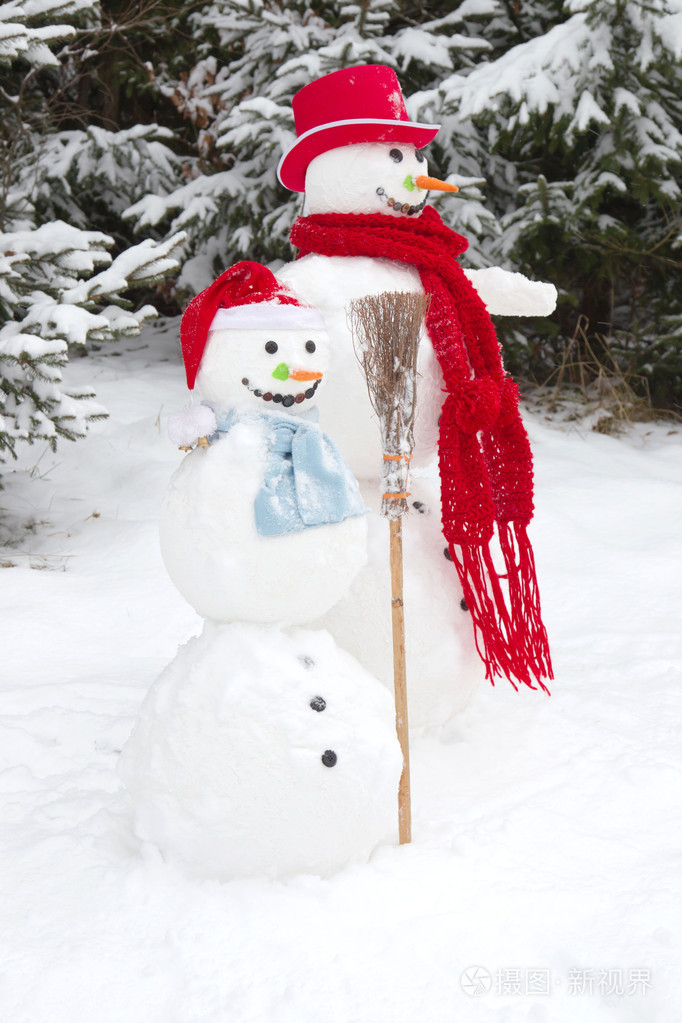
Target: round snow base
x,y
262,753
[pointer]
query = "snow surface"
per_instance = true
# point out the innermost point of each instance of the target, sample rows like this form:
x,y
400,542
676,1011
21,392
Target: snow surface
x,y
546,831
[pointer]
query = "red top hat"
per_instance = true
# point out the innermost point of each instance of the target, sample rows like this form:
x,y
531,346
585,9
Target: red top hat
x,y
356,104
246,297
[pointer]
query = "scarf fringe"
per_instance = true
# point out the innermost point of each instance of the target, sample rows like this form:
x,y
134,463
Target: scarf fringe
x,y
510,637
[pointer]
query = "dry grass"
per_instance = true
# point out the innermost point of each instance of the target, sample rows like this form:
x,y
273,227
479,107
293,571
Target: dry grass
x,y
589,383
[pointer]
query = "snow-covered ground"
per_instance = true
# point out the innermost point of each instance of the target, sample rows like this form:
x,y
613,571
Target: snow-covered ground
x,y
543,882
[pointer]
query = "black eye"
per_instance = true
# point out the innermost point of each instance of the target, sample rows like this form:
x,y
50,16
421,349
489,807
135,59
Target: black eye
x,y
329,758
310,346
420,156
318,703
396,155
271,347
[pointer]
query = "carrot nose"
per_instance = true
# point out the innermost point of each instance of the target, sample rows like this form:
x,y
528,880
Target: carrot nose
x,y
434,184
302,374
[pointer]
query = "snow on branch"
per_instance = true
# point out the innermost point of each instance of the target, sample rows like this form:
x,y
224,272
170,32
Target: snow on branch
x,y
50,300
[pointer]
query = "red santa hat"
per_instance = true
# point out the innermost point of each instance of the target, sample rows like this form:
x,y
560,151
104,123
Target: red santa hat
x,y
248,296
356,104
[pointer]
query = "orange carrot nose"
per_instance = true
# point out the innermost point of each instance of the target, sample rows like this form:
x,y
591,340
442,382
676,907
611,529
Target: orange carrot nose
x,y
302,374
434,184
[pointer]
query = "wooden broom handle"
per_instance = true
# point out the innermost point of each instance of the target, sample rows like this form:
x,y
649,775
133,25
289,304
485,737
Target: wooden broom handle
x,y
399,675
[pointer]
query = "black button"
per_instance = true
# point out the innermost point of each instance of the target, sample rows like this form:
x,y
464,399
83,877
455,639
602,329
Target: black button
x,y
329,758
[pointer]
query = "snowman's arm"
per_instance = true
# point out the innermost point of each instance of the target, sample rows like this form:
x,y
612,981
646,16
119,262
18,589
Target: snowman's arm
x,y
511,294
186,427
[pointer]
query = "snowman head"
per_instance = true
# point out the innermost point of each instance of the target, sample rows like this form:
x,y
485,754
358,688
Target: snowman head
x,y
248,342
370,177
263,368
357,151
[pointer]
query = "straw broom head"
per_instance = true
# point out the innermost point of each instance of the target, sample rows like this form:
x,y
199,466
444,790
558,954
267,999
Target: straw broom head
x,y
386,329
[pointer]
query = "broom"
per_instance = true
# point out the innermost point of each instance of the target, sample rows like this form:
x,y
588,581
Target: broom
x,y
385,331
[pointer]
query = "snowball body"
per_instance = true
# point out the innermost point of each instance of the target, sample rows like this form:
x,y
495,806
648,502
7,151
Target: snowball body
x,y
230,768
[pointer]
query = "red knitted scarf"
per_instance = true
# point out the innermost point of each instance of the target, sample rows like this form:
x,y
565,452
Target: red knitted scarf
x,y
486,467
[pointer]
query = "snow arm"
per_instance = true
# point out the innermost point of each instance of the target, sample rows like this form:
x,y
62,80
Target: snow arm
x,y
188,426
511,294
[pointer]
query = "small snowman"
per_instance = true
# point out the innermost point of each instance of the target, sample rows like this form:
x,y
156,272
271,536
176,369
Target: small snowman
x,y
263,521
262,752
367,229
261,749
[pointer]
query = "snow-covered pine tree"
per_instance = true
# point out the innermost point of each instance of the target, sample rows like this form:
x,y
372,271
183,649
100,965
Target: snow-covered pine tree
x,y
58,282
578,131
250,57
561,124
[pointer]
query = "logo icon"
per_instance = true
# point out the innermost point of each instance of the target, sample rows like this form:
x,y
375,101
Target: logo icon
x,y
476,981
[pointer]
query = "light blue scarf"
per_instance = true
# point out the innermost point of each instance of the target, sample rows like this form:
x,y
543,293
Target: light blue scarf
x,y
307,482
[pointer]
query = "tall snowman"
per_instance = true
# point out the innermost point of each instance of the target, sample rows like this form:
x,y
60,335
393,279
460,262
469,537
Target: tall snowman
x,y
262,748
367,228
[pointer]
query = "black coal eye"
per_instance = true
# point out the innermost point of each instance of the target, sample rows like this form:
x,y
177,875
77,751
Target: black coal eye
x,y
329,758
271,347
396,155
420,156
318,703
310,346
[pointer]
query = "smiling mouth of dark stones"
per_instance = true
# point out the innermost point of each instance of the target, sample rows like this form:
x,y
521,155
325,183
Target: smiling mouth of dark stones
x,y
403,207
287,400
